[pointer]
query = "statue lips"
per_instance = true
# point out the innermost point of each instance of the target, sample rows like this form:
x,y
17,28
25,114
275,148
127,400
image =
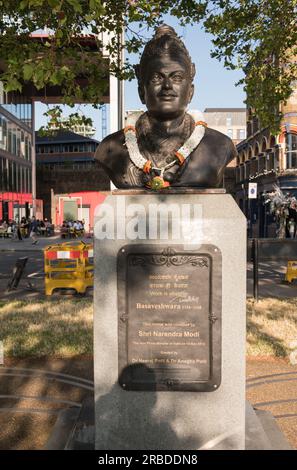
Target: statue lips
x,y
167,96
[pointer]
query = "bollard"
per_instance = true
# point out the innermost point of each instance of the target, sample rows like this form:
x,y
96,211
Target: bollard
x,y
17,273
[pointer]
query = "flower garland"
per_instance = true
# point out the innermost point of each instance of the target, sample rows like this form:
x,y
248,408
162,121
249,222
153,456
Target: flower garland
x,y
158,182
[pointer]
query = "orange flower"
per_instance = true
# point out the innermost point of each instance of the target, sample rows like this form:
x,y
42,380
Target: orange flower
x,y
129,128
180,158
147,166
200,123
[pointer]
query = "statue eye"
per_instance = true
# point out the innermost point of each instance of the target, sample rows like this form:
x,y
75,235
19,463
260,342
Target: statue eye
x,y
177,77
156,77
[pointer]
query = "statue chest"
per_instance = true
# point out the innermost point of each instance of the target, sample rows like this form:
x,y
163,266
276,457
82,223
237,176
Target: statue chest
x,y
201,169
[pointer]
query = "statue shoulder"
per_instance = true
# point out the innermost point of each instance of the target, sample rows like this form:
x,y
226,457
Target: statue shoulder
x,y
222,142
110,148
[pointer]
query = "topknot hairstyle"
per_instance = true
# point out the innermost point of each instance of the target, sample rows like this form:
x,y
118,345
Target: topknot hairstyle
x,y
165,41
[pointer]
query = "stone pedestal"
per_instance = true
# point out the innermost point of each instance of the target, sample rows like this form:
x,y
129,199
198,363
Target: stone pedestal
x,y
196,401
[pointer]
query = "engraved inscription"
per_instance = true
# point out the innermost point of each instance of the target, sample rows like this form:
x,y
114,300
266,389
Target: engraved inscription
x,y
170,316
169,325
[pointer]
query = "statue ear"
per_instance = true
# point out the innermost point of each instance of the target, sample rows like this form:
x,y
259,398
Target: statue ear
x,y
191,93
141,93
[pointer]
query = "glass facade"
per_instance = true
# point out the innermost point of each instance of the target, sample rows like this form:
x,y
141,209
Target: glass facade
x,y
15,155
14,177
14,139
66,148
17,105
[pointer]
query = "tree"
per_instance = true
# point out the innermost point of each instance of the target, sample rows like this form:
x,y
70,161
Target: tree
x,y
57,122
259,36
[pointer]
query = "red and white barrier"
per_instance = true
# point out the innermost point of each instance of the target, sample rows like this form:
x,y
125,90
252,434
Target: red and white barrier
x,y
68,254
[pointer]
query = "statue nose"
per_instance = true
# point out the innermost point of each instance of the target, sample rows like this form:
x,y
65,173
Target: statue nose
x,y
167,83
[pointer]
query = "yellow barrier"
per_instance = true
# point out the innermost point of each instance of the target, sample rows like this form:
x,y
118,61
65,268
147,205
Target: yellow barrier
x,y
68,266
291,273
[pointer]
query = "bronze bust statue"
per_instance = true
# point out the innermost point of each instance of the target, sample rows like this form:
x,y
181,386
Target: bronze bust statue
x,y
165,146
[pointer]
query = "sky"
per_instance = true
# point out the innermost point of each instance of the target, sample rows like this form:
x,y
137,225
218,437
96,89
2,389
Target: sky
x,y
214,85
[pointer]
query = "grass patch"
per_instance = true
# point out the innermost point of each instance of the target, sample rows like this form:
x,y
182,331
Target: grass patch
x,y
271,327
64,328
61,328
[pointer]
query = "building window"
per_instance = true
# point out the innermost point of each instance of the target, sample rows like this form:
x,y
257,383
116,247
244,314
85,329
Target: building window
x,y
242,134
261,164
230,133
247,170
229,121
22,145
14,142
15,176
254,166
9,146
18,142
291,150
270,162
241,172
3,133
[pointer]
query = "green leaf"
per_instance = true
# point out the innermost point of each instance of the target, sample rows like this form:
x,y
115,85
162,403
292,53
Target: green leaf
x,y
28,71
13,85
97,6
59,34
55,4
23,4
75,5
55,78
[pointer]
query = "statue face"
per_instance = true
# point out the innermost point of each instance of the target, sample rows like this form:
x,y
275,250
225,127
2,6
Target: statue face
x,y
168,87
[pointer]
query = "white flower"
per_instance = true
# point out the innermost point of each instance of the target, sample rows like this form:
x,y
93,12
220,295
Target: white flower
x,y
131,140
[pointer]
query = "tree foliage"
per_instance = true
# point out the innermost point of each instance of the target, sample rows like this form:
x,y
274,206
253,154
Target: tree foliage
x,y
57,122
259,36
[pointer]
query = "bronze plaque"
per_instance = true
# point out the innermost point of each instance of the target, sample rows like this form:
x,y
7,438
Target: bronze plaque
x,y
169,304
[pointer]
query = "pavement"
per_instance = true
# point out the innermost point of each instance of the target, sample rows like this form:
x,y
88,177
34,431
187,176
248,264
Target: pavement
x,y
271,385
34,390
8,244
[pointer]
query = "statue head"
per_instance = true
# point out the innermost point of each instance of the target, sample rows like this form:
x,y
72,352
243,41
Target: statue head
x,y
165,75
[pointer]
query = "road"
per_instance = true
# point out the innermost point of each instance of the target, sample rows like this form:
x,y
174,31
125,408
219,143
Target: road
x,y
10,252
34,267
270,273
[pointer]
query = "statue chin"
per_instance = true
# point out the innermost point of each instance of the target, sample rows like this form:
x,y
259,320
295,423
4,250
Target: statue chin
x,y
167,114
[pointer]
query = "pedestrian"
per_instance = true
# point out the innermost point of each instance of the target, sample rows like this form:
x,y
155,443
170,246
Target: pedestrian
x,y
33,230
